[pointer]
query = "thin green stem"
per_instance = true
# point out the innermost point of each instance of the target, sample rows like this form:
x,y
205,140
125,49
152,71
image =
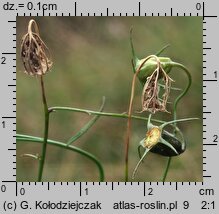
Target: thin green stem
x,y
178,65
179,120
28,138
46,130
167,169
106,114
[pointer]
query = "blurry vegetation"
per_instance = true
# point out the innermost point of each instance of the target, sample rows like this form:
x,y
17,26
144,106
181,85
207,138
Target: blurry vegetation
x,y
92,59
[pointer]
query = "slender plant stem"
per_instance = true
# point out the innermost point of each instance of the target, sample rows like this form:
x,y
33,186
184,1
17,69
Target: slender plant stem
x,y
46,130
106,114
129,127
28,138
178,65
166,169
127,139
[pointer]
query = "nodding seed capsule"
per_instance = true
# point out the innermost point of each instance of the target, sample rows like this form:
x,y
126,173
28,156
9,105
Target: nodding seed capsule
x,y
35,54
164,150
150,66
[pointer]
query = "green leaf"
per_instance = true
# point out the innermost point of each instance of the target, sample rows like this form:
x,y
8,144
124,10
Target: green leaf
x,y
176,121
28,138
84,129
164,48
134,57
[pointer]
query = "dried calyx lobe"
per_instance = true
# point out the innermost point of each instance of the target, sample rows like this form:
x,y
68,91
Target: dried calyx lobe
x,y
154,71
152,98
164,150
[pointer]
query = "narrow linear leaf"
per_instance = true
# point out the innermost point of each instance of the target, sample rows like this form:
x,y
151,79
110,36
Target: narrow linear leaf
x,y
134,57
85,128
28,138
161,51
179,120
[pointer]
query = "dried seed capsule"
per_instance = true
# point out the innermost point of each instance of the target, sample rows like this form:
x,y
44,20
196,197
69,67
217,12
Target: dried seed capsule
x,y
34,53
153,99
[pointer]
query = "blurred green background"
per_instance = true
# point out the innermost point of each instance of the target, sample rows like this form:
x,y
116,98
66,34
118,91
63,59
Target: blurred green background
x,y
92,59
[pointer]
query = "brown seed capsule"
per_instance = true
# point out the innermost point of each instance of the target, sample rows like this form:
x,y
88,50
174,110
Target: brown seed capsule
x,y
34,53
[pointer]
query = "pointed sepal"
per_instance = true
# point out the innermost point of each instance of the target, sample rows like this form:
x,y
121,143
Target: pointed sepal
x,y
168,144
140,161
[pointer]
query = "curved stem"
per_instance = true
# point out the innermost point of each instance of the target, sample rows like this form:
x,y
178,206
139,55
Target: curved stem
x,y
178,65
27,138
130,112
179,120
46,130
175,107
